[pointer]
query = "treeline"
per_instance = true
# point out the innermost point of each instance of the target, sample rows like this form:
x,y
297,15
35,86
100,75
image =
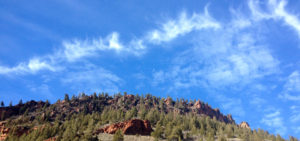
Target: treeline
x,y
95,111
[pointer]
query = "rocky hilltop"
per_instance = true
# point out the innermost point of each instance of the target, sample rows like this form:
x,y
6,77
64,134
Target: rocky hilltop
x,y
90,104
86,117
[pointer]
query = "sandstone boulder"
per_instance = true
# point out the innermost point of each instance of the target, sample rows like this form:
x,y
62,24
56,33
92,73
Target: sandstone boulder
x,y
198,104
169,101
244,125
130,127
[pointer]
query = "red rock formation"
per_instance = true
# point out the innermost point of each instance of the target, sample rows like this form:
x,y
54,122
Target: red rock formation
x,y
131,97
131,127
51,139
168,101
3,131
244,125
198,104
18,130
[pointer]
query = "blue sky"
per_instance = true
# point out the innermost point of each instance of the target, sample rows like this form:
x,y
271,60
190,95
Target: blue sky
x,y
242,57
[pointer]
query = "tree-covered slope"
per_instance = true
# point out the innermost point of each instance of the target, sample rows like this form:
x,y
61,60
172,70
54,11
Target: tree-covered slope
x,y
78,117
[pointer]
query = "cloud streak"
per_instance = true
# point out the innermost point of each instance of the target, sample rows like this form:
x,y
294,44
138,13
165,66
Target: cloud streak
x,y
93,80
276,11
181,26
219,59
274,120
76,49
291,89
34,65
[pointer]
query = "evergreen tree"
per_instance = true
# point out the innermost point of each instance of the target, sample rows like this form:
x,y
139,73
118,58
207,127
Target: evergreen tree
x,y
2,104
47,102
118,136
20,102
67,98
229,131
158,132
142,111
292,138
2,115
279,138
222,138
10,104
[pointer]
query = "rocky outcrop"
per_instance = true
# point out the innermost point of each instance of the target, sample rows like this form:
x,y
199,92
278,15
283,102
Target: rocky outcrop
x,y
51,139
18,130
244,125
131,127
204,109
198,104
168,101
3,131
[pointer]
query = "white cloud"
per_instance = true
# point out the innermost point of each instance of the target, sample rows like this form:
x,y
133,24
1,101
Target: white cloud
x,y
276,11
181,26
223,58
92,80
73,51
296,129
257,101
78,49
274,120
291,89
295,110
34,65
232,105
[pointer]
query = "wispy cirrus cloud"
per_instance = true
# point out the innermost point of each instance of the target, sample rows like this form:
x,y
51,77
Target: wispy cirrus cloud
x,y
34,65
181,26
291,88
77,49
274,120
94,79
220,59
275,11
295,118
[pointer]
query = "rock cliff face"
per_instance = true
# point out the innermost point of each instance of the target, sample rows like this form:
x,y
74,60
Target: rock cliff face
x,y
204,109
131,127
244,125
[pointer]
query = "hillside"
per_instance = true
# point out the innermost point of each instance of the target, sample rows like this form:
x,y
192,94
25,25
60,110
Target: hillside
x,y
86,117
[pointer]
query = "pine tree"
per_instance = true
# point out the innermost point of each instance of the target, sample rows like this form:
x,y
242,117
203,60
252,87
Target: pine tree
x,y
118,136
292,138
157,134
67,98
229,131
2,104
20,102
222,138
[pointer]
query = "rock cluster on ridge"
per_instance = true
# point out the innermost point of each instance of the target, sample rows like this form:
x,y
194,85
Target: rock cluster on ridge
x,y
130,127
244,125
